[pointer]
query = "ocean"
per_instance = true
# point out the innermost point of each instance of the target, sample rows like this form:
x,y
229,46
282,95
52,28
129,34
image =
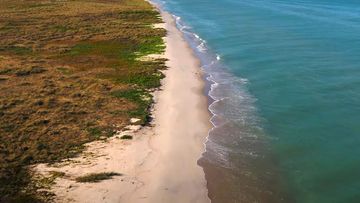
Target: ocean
x,y
284,90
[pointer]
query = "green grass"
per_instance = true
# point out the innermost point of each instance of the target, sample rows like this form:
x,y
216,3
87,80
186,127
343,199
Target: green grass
x,y
140,15
120,49
60,28
146,81
18,50
141,98
37,5
5,71
64,71
96,177
96,132
151,45
122,59
108,49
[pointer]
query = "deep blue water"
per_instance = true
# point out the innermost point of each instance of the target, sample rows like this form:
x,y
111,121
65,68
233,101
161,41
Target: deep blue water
x,y
286,87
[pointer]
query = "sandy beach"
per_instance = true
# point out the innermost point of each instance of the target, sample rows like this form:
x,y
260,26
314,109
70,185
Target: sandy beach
x,y
160,163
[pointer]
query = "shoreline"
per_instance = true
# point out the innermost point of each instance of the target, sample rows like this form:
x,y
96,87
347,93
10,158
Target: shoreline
x,y
160,163
179,139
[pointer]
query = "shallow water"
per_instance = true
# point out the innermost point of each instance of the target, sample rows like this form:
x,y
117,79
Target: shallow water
x,y
285,80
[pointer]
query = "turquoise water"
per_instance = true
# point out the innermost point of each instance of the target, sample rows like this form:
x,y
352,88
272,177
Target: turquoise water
x,y
285,77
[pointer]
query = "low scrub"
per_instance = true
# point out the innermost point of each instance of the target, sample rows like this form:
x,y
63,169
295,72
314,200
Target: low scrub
x,y
126,137
70,74
96,177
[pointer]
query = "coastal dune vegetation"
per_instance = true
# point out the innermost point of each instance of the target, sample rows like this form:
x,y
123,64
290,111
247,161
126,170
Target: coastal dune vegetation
x,y
70,73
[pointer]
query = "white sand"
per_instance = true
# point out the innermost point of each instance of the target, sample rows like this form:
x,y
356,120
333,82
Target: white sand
x,y
160,163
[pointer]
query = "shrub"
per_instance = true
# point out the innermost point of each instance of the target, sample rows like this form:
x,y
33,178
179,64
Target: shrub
x,y
96,177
